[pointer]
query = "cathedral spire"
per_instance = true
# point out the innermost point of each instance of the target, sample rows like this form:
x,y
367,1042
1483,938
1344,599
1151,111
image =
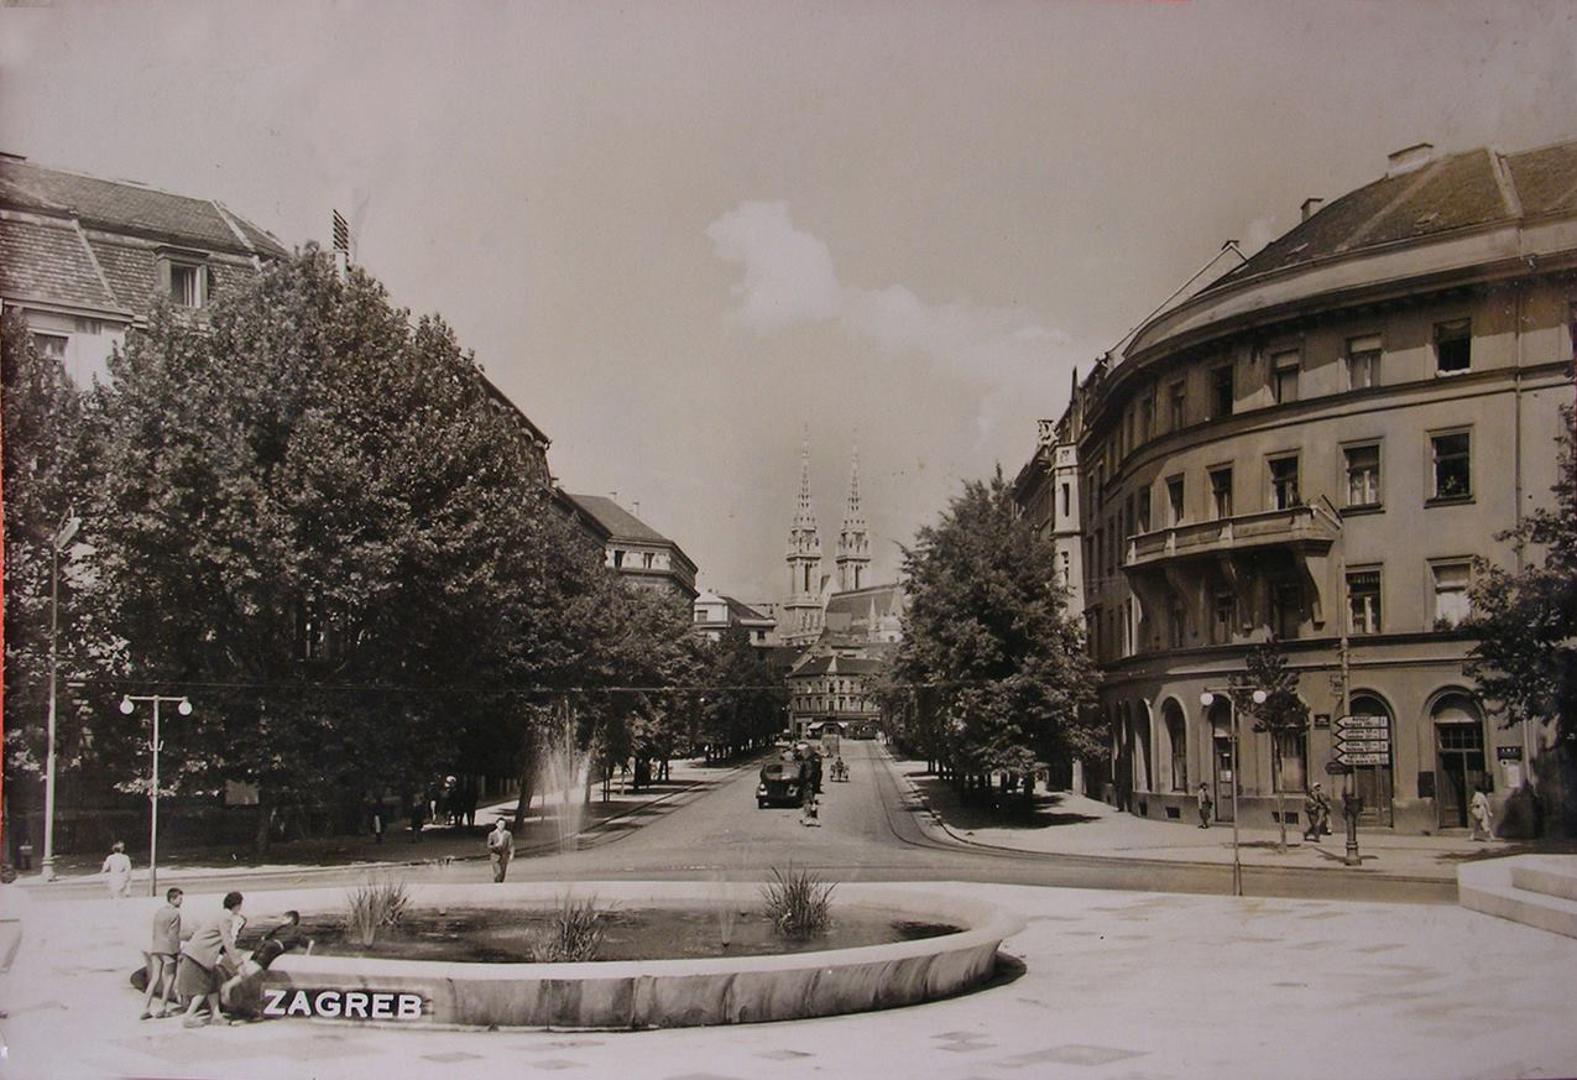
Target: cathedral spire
x,y
805,516
802,610
854,545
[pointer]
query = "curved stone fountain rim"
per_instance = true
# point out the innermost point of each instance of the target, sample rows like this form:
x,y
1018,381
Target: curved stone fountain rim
x,y
983,923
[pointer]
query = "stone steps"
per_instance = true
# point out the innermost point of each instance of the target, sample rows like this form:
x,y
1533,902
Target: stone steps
x,y
1538,890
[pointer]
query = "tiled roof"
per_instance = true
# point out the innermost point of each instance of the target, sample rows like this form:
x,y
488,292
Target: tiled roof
x,y
1458,191
739,611
856,603
1546,179
119,205
620,523
50,262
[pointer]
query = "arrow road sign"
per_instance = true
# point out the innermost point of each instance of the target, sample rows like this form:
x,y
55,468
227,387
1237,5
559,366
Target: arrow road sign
x,y
1358,723
1365,759
1362,740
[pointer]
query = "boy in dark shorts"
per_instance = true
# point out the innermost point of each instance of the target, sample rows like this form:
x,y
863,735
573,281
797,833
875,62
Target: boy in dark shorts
x,y
243,994
162,954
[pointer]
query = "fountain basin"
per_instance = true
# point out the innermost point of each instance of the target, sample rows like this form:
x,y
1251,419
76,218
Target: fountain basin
x,y
651,993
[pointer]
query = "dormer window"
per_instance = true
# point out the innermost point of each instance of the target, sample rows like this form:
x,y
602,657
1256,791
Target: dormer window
x,y
183,277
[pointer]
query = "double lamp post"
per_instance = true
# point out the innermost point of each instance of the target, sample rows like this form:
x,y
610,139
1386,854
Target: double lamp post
x,y
1207,699
128,705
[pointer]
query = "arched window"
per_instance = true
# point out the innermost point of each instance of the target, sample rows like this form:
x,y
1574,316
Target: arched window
x,y
1177,742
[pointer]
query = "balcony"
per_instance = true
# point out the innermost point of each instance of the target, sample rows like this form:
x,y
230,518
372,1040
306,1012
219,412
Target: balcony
x,y
1310,529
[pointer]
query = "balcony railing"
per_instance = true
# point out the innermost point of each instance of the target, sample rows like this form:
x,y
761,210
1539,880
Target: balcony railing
x,y
1312,526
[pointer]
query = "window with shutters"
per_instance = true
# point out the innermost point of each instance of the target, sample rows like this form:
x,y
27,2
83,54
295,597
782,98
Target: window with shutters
x,y
1363,475
1363,362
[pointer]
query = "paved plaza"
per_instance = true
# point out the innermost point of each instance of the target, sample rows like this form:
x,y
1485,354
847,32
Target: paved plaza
x,y
1113,985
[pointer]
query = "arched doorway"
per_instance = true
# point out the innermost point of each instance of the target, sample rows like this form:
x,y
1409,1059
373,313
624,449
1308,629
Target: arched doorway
x,y
1459,756
1176,742
1220,722
1373,782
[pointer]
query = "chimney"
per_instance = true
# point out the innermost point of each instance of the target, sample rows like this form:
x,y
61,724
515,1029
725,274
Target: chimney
x,y
1409,159
1311,206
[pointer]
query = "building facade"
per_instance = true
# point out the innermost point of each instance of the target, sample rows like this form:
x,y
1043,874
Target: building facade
x,y
84,258
715,613
1313,450
644,556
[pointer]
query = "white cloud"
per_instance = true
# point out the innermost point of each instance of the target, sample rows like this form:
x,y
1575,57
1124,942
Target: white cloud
x,y
788,273
789,277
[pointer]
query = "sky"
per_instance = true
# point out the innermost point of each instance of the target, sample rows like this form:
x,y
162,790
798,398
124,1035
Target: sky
x,y
685,236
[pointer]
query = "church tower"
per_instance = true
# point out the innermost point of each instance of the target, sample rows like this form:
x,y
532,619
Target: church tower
x,y
802,611
854,541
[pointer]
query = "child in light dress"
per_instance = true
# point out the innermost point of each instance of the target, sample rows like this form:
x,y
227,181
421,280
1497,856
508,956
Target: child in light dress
x,y
117,871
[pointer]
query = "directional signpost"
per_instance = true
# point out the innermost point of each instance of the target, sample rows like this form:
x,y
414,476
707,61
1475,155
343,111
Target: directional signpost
x,y
1363,740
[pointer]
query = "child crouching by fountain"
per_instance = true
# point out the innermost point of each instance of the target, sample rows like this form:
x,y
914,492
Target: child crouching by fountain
x,y
242,994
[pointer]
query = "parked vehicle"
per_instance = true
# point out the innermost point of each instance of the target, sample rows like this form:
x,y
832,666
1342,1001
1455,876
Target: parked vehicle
x,y
782,784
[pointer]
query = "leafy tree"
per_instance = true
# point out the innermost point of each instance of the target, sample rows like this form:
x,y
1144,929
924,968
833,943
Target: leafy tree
x,y
1526,622
322,525
44,487
745,695
1283,713
987,633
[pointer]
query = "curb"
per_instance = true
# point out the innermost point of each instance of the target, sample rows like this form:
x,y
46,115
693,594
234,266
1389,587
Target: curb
x,y
932,819
176,876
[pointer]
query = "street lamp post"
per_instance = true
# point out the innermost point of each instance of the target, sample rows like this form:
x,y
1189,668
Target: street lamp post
x,y
128,704
1207,699
57,542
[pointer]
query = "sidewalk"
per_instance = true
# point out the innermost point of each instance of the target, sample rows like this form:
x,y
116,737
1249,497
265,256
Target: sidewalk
x,y
544,831
1066,823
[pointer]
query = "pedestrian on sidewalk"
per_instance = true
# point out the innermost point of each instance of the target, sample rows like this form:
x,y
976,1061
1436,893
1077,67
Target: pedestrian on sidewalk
x,y
418,808
199,976
162,954
377,822
117,871
1205,805
1481,815
1317,807
500,849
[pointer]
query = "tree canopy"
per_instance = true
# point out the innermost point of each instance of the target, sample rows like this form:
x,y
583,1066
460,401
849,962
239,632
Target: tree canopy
x,y
315,517
993,669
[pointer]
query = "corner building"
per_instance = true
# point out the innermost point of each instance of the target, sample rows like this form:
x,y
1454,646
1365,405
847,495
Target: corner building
x,y
1314,448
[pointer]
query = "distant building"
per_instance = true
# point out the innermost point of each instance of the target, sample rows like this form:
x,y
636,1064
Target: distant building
x,y
642,554
715,613
84,258
1313,450
833,683
845,627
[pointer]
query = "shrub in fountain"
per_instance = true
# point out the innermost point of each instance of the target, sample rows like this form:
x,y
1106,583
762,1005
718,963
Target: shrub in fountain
x,y
373,906
574,933
797,902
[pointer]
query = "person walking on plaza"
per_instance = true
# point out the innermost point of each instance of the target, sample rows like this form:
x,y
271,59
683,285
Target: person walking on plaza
x,y
1481,816
199,977
1205,804
1317,808
162,954
500,849
418,809
117,871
